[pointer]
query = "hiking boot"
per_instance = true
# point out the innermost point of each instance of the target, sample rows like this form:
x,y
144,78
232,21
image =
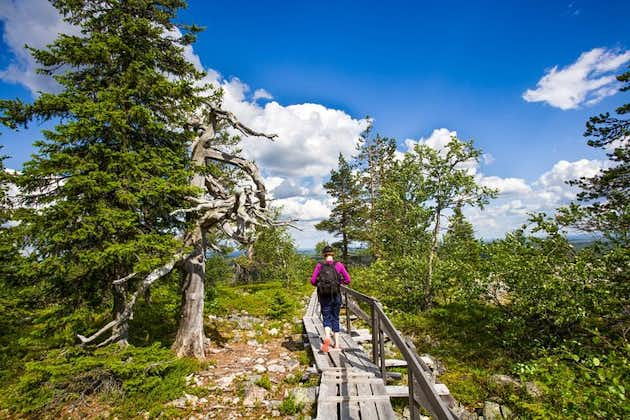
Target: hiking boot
x,y
326,345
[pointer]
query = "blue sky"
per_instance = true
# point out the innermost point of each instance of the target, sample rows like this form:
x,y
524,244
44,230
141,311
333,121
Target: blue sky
x,y
414,67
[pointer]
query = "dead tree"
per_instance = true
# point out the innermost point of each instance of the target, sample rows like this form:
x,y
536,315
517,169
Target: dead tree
x,y
235,213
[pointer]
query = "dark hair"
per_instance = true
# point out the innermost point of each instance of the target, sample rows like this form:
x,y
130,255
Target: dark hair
x,y
328,250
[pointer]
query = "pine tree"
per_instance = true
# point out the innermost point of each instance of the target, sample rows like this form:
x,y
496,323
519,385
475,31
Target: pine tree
x,y
106,179
348,215
374,159
603,204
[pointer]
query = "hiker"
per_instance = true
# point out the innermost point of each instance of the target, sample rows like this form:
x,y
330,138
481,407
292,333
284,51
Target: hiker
x,y
327,276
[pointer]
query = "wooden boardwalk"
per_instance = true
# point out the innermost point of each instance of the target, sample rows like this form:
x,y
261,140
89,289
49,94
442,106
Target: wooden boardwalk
x,y
351,386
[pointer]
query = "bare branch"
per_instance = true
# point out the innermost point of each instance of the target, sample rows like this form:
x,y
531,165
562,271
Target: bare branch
x,y
127,313
124,279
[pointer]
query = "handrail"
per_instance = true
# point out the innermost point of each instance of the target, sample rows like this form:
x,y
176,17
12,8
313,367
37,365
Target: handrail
x,y
417,371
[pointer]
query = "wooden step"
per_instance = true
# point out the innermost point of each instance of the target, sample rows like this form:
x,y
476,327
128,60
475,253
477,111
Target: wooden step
x,y
395,363
399,391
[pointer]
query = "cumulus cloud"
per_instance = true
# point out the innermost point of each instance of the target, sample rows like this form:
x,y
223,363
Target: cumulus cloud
x,y
310,136
587,81
35,23
506,186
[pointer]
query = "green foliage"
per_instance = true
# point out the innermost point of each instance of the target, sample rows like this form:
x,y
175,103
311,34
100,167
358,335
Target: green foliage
x,y
289,406
603,202
264,382
281,306
258,298
275,256
347,218
131,379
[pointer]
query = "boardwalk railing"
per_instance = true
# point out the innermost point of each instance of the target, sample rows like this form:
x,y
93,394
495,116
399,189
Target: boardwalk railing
x,y
422,390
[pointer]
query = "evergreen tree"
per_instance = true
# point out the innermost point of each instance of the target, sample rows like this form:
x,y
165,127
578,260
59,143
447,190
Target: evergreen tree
x,y
106,179
348,215
374,159
458,255
603,204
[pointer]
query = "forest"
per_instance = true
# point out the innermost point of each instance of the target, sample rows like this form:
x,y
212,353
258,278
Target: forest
x,y
137,244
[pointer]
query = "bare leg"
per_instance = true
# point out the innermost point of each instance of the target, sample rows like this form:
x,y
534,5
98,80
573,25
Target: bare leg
x,y
337,343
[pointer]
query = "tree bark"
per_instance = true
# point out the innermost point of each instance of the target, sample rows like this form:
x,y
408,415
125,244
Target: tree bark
x,y
190,339
120,332
428,284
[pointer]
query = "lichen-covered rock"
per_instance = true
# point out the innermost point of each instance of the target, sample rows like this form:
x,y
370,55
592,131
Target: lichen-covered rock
x,y
254,394
505,380
495,411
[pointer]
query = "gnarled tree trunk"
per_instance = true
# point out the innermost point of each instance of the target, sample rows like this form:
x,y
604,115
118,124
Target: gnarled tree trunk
x,y
190,339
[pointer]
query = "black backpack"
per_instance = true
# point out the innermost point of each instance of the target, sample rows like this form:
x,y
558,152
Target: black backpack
x,y
328,280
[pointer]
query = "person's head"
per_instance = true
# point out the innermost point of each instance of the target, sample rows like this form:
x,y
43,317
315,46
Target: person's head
x,y
328,253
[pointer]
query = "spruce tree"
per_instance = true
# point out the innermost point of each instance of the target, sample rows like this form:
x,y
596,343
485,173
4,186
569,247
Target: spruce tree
x,y
348,215
106,179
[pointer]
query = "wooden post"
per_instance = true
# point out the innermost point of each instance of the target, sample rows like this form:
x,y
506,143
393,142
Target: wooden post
x,y
348,326
381,350
413,413
375,329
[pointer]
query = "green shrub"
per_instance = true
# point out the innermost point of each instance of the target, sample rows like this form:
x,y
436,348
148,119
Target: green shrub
x,y
289,406
134,379
264,382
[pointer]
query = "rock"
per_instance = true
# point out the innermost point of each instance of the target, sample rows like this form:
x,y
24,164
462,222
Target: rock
x,y
463,414
533,390
245,360
252,343
254,394
276,368
189,378
244,321
305,396
187,400
292,365
225,381
273,332
505,380
494,411
258,368
275,413
259,361
434,364
262,350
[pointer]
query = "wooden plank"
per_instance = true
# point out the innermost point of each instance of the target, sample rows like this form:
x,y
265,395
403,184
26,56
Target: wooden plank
x,y
383,407
327,409
356,398
397,391
367,408
348,401
321,359
395,363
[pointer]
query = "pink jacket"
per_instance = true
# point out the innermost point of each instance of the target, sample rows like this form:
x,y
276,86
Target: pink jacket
x,y
345,277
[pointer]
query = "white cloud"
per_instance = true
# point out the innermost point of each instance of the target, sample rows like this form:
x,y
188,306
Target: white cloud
x,y
262,94
36,23
587,81
310,136
303,208
506,185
